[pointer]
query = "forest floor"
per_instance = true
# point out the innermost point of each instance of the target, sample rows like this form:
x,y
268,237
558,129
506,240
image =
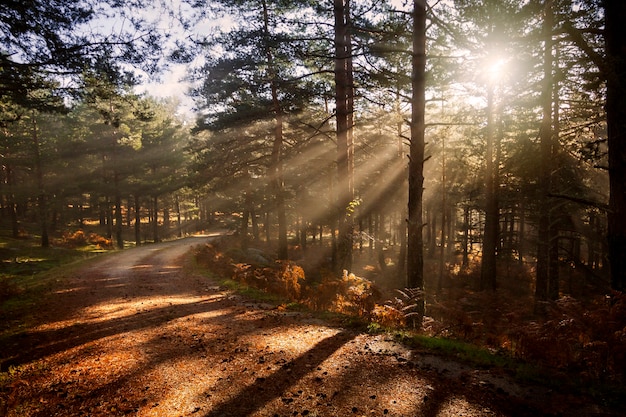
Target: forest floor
x,y
144,333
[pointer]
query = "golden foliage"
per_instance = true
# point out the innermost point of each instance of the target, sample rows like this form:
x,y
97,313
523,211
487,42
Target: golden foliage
x,y
80,238
348,294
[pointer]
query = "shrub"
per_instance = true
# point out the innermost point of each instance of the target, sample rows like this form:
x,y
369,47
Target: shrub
x,y
80,238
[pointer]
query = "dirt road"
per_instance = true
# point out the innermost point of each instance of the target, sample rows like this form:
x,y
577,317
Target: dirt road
x,y
139,333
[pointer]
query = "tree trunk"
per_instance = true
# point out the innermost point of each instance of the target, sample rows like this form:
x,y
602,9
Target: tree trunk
x,y
178,219
490,235
466,231
155,220
442,249
137,221
345,190
41,198
11,203
615,38
545,157
415,244
521,249
276,170
118,216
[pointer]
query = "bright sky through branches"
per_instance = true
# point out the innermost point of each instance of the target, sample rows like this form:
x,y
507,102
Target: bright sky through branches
x,y
496,69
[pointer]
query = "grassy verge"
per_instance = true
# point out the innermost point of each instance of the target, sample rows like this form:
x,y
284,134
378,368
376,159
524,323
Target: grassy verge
x,y
606,393
27,273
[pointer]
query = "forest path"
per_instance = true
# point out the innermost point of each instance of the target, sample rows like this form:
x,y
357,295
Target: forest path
x,y
139,333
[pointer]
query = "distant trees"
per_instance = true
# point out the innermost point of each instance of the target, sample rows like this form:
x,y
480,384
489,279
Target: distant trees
x,y
91,161
52,59
307,113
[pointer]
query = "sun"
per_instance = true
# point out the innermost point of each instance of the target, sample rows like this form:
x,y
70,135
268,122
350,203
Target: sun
x,y
496,68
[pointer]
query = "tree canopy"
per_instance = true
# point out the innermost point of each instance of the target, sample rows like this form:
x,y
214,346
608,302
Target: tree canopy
x,y
426,136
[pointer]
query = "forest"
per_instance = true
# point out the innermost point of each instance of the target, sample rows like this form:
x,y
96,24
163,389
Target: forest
x,y
453,166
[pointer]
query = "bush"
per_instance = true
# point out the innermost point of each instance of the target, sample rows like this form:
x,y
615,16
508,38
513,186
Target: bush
x,y
348,295
80,238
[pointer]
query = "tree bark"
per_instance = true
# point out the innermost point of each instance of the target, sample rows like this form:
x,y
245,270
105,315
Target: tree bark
x,y
415,244
41,197
345,190
137,221
615,38
11,205
545,169
118,215
276,170
490,235
155,220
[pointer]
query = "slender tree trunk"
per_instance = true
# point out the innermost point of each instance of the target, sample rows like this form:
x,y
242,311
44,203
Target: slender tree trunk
x,y
255,223
276,170
155,220
137,221
415,243
109,219
466,228
521,249
545,170
345,190
442,249
554,268
490,236
178,219
615,38
266,224
400,153
118,216
41,198
11,203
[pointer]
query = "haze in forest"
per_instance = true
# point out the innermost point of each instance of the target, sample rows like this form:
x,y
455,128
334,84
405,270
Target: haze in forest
x,y
458,150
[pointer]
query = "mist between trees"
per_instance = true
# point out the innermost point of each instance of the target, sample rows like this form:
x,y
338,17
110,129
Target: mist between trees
x,y
438,143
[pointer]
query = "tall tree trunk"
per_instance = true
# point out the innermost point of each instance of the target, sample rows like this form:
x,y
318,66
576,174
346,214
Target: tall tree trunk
x,y
554,268
615,38
118,216
545,170
344,189
521,233
490,236
415,244
402,224
178,216
137,221
155,219
276,170
442,249
109,218
11,203
466,232
41,197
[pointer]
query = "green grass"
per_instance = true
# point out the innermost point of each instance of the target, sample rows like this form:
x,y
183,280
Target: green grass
x,y
521,371
27,273
253,293
461,350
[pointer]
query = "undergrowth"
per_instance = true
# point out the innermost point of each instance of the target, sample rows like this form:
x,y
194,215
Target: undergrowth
x,y
499,329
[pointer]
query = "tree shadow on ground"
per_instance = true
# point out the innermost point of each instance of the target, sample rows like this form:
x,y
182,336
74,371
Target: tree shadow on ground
x,y
253,397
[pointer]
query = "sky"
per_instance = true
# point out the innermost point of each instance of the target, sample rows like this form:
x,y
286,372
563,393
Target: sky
x,y
171,84
171,81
